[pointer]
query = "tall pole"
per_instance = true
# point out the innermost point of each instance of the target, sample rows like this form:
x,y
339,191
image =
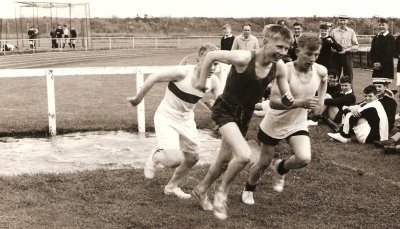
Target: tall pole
x,y
33,14
16,21
91,35
70,24
86,27
51,16
22,29
1,29
37,25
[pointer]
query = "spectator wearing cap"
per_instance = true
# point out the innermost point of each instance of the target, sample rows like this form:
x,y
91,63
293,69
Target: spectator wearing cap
x,y
386,97
328,44
382,53
282,22
297,32
228,38
245,41
346,37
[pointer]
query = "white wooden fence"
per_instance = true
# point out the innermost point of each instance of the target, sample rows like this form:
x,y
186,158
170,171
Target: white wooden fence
x,y
52,73
84,43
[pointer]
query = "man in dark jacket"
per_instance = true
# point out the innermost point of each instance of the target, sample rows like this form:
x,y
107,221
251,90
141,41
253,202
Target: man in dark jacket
x,y
328,43
297,31
73,37
59,35
228,38
397,55
382,53
53,38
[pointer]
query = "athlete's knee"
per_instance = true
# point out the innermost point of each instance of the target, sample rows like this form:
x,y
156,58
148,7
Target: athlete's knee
x,y
243,158
303,160
263,164
224,164
191,158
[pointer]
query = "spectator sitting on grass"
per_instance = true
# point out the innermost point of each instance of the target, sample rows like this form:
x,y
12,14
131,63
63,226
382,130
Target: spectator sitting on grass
x,y
334,103
333,85
368,120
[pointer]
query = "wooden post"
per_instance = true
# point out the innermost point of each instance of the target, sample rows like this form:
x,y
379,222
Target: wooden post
x,y
140,108
51,103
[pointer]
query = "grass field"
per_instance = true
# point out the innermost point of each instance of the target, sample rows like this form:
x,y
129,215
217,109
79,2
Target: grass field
x,y
345,186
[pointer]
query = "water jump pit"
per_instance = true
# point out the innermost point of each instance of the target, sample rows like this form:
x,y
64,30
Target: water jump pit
x,y
90,151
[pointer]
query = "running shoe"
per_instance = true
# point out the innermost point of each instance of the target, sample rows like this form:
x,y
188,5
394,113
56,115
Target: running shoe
x,y
203,200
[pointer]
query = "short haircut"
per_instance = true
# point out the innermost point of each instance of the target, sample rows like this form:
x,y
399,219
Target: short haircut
x,y
370,89
226,26
297,23
273,31
324,26
246,24
205,49
345,79
309,40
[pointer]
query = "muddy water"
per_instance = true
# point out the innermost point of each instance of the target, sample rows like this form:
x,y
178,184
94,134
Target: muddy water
x,y
88,151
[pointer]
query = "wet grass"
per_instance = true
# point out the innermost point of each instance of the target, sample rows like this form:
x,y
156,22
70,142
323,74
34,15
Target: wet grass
x,y
345,186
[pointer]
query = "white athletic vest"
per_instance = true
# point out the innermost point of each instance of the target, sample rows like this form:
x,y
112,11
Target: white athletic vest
x,y
282,123
180,97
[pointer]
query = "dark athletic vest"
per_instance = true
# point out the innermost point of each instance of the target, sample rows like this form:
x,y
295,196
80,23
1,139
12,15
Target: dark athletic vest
x,y
245,88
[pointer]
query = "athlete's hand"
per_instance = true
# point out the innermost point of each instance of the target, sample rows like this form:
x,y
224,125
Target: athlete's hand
x,y
311,103
377,66
134,101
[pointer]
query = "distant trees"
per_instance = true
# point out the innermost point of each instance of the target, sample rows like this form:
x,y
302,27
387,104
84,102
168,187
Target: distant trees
x,y
147,25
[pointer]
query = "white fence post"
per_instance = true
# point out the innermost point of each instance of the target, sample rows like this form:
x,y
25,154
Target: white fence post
x,y
110,42
51,103
140,108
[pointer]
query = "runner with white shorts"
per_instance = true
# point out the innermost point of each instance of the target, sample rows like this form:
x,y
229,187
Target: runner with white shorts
x,y
176,131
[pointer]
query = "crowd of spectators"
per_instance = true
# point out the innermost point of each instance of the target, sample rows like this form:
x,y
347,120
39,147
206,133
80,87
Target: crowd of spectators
x,y
369,121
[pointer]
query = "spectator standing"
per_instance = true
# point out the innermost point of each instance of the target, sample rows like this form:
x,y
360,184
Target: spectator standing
x,y
32,35
297,32
74,35
59,35
66,36
382,53
328,43
397,55
228,38
53,38
245,41
346,37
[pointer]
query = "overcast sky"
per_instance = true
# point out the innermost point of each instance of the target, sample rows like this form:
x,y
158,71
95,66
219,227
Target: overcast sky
x,y
223,8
